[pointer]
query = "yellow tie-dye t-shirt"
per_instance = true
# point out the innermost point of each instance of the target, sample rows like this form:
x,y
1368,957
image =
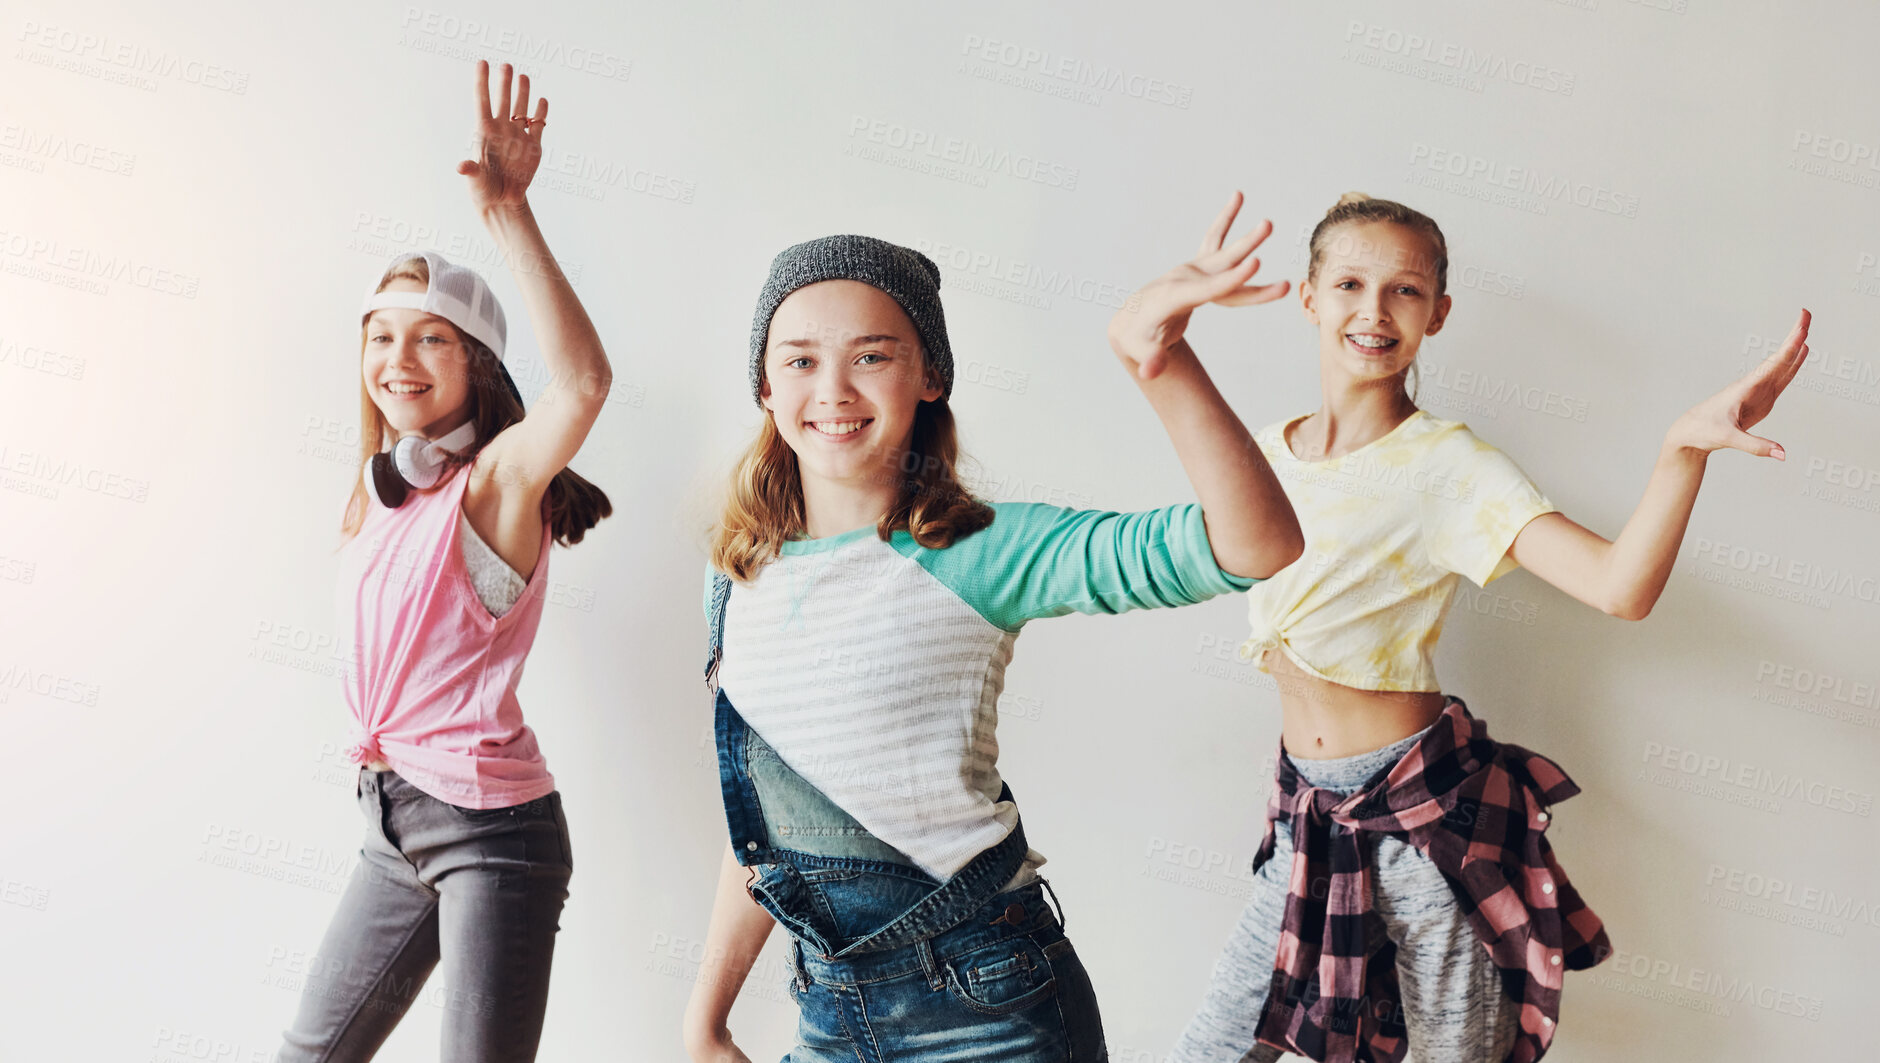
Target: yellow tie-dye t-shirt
x,y
1389,528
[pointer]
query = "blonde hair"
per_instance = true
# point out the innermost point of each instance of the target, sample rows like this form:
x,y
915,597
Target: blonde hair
x,y
574,504
1356,208
763,505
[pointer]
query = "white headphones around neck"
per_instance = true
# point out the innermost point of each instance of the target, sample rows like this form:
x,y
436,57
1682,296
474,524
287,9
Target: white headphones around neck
x,y
413,463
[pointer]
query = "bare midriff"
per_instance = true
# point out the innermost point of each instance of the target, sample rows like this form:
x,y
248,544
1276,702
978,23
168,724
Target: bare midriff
x,y
1323,720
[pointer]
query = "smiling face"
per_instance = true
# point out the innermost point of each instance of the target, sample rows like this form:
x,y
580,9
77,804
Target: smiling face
x,y
1374,299
844,376
415,368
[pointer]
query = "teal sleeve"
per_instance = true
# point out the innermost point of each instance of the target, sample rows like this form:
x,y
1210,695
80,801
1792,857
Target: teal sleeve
x,y
1038,560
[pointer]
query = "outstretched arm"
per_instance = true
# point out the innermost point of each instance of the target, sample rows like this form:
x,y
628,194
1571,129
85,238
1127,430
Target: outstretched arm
x,y
1251,525
1625,576
735,937
530,452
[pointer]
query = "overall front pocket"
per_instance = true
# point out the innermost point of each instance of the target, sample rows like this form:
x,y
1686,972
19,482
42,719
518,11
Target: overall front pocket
x,y
1001,978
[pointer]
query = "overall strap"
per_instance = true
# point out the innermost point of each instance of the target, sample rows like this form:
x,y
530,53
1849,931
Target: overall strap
x,y
950,903
954,900
715,643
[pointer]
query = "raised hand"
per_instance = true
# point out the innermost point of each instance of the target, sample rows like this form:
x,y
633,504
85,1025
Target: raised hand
x,y
1152,322
508,144
1723,420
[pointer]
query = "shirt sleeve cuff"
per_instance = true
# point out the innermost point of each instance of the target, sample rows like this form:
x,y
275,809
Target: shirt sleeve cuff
x,y
1194,557
1503,564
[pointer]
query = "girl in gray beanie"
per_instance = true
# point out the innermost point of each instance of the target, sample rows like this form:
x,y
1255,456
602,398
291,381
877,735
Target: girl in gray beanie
x,y
876,604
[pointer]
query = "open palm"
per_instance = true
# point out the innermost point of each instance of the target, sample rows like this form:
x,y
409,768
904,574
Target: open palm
x,y
1724,419
508,142
1155,318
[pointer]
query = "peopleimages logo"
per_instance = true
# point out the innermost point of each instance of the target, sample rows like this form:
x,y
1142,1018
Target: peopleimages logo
x,y
1804,574
1029,277
94,266
1759,779
1863,695
1070,73
430,30
1501,392
50,472
15,678
123,60
1788,893
80,153
1837,149
39,359
1520,181
1458,58
970,156
1844,473
1720,987
1361,470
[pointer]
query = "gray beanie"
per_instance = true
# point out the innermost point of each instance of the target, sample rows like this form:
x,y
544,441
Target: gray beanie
x,y
908,276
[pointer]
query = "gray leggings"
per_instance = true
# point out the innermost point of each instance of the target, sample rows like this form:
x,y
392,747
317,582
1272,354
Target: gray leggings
x,y
1452,997
479,890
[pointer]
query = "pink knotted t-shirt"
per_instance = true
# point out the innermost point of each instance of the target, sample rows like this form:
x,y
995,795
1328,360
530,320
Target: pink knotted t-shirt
x,y
432,678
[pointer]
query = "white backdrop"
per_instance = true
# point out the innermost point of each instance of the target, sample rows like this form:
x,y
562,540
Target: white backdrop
x,y
1638,195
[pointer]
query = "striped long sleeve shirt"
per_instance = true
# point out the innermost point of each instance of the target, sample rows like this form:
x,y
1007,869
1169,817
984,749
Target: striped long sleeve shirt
x,y
874,667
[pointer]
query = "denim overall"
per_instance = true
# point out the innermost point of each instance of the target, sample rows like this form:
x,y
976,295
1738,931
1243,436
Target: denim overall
x,y
891,964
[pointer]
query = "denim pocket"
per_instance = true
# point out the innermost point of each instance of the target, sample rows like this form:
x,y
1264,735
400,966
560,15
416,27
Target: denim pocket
x,y
546,808
561,828
831,874
479,815
1077,1002
1001,978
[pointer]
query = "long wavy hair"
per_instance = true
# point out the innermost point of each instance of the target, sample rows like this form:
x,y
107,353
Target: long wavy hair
x,y
1355,208
574,504
763,506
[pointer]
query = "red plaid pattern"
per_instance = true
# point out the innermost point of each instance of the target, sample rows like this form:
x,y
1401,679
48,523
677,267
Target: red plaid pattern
x,y
1479,810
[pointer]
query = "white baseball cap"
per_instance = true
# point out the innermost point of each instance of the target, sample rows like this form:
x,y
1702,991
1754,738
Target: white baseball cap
x,y
457,294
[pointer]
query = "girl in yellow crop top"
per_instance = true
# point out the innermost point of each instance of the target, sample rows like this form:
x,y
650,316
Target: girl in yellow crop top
x,y
1397,505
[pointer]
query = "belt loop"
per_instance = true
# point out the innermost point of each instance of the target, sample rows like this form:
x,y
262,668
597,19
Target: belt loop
x,y
924,949
1055,903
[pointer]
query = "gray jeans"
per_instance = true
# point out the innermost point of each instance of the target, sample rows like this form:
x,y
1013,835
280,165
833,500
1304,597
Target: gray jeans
x,y
479,890
1453,1002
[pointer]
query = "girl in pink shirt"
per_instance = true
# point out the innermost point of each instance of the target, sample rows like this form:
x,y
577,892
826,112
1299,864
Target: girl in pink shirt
x,y
466,859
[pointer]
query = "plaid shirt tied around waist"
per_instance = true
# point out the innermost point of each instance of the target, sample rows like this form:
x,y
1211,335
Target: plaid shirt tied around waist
x,y
1478,809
